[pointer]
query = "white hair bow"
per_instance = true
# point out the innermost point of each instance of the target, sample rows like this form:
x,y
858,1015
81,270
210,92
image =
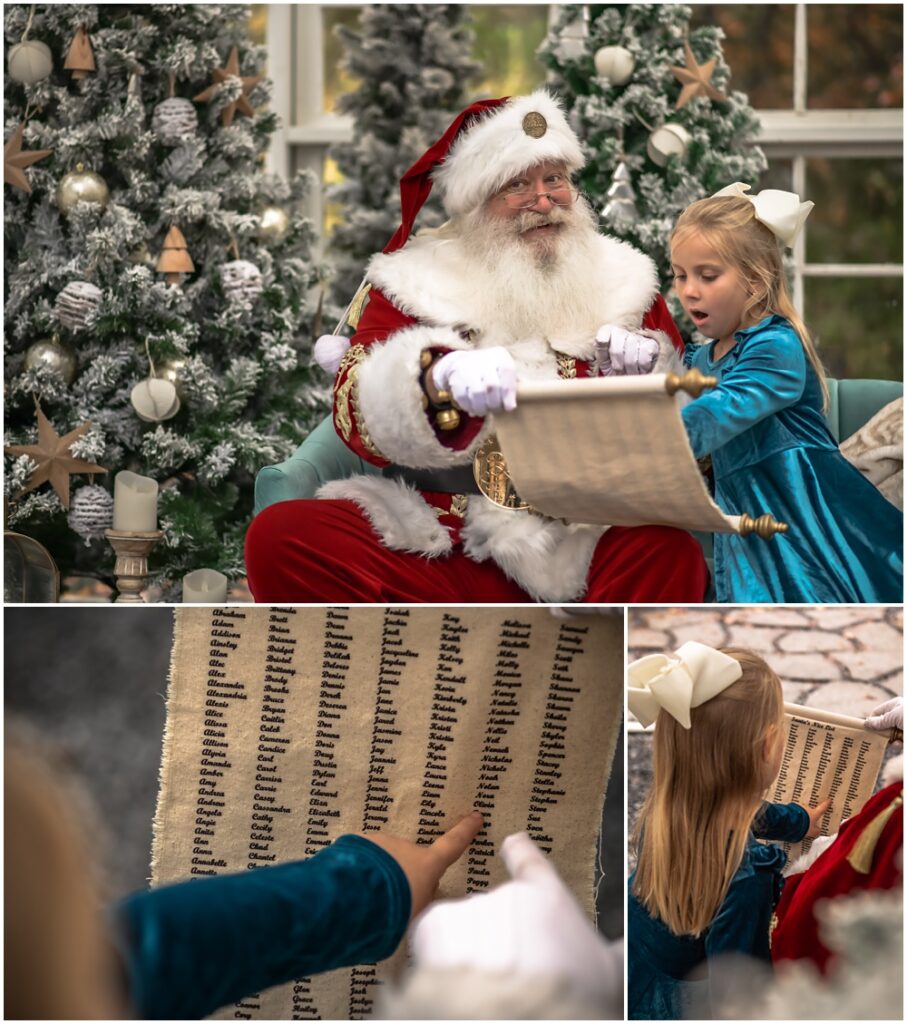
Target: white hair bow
x,y
781,212
693,675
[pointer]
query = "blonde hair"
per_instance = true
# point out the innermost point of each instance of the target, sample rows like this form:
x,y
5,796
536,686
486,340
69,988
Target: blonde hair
x,y
708,784
729,225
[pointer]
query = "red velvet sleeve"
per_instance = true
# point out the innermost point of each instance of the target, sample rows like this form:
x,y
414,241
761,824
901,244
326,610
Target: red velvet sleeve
x,y
658,318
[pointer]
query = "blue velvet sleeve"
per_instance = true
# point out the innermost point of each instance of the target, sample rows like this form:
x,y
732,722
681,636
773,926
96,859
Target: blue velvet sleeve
x,y
196,946
743,922
785,822
769,375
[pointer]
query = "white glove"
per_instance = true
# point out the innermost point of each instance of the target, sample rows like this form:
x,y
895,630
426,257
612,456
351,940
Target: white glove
x,y
530,926
625,353
889,715
479,380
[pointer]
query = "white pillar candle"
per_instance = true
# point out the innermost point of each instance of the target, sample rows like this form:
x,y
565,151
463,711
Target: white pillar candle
x,y
205,586
134,503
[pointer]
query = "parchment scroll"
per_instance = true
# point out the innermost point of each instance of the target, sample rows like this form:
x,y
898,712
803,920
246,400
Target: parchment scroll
x,y
826,754
287,727
607,450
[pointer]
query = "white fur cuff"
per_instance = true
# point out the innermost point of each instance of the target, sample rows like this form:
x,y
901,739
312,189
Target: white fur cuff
x,y
390,399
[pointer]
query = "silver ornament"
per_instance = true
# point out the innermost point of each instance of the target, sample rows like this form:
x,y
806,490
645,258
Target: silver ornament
x,y
30,61
273,223
78,305
241,281
615,63
669,140
154,400
174,121
620,209
51,352
81,186
91,512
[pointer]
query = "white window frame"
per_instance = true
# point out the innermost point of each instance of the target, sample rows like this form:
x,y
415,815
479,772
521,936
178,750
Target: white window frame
x,y
295,40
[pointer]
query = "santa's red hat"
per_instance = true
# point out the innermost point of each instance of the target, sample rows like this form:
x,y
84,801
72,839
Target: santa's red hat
x,y
486,145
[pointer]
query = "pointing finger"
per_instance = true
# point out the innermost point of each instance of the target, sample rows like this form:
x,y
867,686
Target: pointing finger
x,y
451,846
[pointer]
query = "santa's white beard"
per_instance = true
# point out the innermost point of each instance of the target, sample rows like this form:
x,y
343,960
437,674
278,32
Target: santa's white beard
x,y
545,287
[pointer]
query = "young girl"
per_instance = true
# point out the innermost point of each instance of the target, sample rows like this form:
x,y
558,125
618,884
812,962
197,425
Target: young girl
x,y
763,425
703,886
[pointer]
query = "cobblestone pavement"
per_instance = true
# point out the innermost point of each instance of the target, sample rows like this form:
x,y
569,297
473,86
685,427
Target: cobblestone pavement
x,y
847,660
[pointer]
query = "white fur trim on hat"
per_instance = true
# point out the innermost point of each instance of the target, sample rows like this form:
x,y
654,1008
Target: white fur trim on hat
x,y
496,148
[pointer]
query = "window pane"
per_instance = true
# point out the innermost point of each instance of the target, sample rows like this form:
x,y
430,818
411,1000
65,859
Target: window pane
x,y
336,80
858,325
759,49
780,175
854,55
858,214
507,37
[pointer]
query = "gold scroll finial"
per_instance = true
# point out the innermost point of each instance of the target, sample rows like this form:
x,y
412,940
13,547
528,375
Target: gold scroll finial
x,y
693,382
764,526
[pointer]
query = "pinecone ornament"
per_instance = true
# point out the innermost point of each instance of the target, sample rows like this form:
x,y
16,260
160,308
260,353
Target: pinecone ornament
x,y
174,121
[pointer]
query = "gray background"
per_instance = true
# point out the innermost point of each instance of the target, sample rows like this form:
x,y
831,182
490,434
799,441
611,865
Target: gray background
x,y
93,680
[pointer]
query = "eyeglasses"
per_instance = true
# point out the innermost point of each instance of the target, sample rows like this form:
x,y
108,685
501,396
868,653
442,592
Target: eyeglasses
x,y
563,195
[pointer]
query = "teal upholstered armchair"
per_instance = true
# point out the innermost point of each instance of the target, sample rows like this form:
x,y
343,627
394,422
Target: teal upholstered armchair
x,y
323,456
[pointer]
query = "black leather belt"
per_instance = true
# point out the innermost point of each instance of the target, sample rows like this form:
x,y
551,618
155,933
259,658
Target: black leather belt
x,y
458,480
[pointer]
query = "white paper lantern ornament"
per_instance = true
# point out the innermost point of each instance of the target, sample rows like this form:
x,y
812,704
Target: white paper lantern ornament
x,y
91,512
615,63
155,400
241,281
78,305
669,140
30,61
174,121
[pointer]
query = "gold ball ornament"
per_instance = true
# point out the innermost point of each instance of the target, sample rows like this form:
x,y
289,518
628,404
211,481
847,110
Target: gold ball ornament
x,y
170,370
30,61
141,255
273,223
52,353
81,186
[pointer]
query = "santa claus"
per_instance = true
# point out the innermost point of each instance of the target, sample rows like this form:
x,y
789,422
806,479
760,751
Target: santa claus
x,y
518,285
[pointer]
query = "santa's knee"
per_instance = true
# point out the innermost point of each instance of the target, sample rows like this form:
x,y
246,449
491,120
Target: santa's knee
x,y
268,541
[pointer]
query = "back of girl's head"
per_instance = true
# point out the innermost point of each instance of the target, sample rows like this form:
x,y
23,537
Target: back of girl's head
x,y
707,785
728,224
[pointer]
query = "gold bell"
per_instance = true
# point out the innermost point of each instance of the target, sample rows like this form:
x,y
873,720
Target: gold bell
x,y
447,419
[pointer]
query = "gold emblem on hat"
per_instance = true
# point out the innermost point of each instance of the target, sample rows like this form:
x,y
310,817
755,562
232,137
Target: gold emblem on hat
x,y
534,125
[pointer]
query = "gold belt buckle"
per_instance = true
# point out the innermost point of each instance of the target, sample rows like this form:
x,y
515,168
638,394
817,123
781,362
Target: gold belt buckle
x,y
489,468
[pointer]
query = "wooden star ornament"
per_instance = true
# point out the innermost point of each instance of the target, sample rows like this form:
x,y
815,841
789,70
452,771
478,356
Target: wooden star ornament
x,y
220,75
16,159
55,462
696,79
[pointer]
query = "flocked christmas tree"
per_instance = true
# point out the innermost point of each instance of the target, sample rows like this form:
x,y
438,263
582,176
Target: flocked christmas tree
x,y
412,62
649,97
156,278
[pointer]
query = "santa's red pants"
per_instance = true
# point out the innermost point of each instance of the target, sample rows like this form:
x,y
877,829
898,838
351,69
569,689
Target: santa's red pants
x,y
314,551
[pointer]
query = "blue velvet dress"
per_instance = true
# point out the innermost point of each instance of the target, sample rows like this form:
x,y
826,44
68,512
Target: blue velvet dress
x,y
659,963
773,452
193,947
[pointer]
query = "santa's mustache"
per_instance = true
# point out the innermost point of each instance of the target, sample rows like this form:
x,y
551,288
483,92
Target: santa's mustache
x,y
529,219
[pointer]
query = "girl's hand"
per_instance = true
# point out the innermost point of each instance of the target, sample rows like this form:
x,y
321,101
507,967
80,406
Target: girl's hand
x,y
425,865
815,814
